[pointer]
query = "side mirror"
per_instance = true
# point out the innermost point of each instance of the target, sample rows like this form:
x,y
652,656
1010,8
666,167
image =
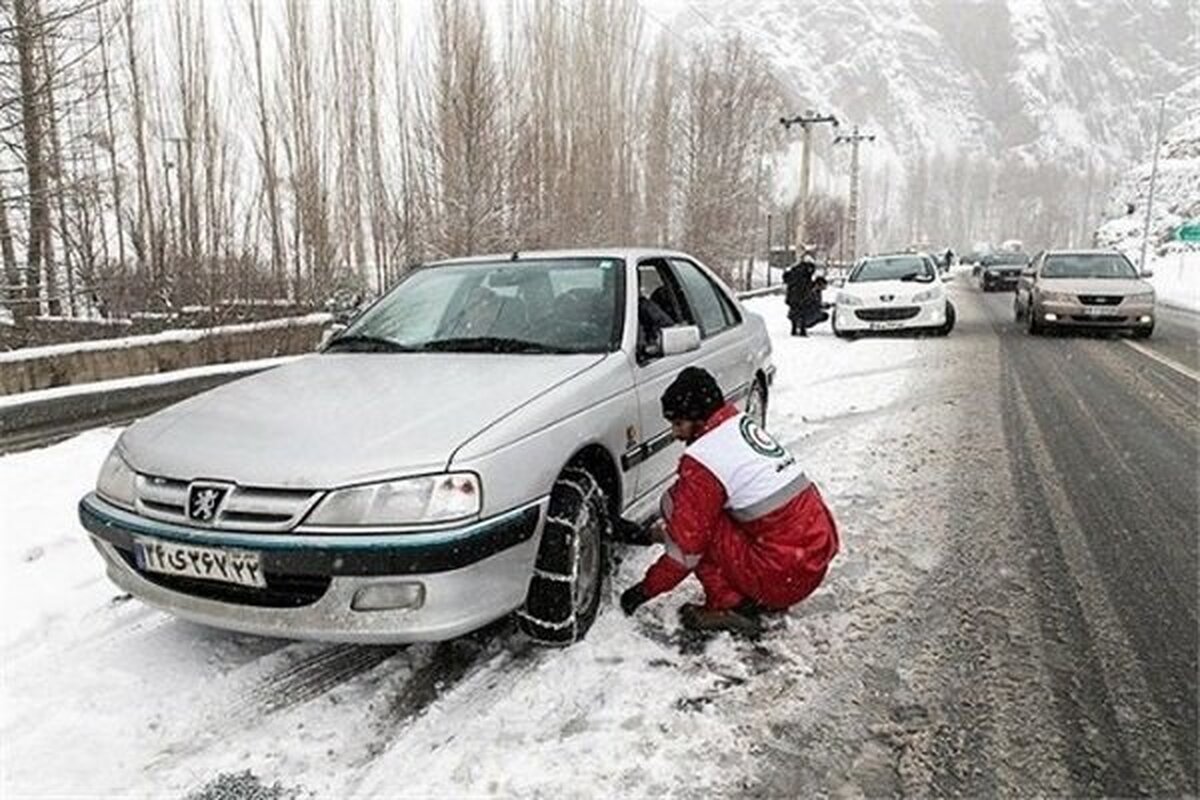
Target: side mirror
x,y
1029,272
838,282
680,339
1147,273
947,277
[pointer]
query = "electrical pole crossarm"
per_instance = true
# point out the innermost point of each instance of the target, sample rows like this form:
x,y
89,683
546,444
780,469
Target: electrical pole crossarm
x,y
806,121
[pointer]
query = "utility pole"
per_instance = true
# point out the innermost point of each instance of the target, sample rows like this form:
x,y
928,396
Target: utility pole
x,y
806,121
854,140
1158,134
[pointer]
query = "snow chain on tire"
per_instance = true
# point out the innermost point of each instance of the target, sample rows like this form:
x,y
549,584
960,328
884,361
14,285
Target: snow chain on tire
x,y
549,616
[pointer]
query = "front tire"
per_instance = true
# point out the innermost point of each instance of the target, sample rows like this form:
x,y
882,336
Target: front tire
x,y
951,318
565,590
838,332
1143,333
1035,327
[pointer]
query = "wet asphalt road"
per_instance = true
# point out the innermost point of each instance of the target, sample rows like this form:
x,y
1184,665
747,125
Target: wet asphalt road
x,y
1102,442
1039,632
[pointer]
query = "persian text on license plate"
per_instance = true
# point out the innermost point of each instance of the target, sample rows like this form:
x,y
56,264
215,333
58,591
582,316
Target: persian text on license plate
x,y
886,326
1102,312
240,567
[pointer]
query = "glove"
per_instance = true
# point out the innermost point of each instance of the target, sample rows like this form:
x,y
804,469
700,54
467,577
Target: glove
x,y
632,598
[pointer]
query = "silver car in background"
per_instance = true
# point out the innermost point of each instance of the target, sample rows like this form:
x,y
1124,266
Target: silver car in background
x,y
461,451
1084,288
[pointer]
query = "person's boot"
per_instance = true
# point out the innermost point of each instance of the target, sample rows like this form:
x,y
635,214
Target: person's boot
x,y
698,618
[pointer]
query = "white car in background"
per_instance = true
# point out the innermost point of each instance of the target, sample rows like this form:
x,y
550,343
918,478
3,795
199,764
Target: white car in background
x,y
891,293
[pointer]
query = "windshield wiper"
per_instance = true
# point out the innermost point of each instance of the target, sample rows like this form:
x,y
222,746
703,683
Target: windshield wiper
x,y
493,344
361,343
918,277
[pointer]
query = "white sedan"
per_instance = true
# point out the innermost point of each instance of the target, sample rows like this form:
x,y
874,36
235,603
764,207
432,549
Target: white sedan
x,y
461,451
890,293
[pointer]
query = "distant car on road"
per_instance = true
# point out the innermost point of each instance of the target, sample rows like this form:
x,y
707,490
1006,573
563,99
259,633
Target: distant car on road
x,y
893,292
1087,288
1001,270
459,452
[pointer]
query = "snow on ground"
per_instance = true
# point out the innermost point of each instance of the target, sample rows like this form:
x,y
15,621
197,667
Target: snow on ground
x,y
103,696
1177,279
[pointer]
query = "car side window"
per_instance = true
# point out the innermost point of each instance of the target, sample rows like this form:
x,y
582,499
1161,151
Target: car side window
x,y
659,306
705,298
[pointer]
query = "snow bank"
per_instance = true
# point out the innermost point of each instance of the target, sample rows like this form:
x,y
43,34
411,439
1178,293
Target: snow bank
x,y
1177,279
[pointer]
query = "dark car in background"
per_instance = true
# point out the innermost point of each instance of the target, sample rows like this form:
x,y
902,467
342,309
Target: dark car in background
x,y
1001,271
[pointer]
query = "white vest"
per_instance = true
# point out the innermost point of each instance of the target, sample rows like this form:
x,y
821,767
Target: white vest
x,y
758,473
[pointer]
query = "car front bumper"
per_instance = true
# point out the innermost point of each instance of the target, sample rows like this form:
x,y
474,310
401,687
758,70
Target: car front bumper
x,y
895,316
1123,315
469,576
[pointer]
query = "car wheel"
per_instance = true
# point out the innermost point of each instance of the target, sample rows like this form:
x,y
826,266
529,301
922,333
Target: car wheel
x,y
951,318
756,403
1143,333
1035,327
564,593
838,332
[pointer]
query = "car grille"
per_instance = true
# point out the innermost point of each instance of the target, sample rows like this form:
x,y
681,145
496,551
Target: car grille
x,y
1101,299
887,314
244,508
282,591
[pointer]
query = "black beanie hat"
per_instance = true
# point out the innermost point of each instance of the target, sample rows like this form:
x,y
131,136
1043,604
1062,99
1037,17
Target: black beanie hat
x,y
693,395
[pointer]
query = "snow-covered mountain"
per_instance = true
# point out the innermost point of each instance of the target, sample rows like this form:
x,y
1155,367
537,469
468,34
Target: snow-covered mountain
x,y
1176,194
1063,81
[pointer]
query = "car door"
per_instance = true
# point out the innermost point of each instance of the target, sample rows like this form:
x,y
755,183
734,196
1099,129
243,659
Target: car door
x,y
691,298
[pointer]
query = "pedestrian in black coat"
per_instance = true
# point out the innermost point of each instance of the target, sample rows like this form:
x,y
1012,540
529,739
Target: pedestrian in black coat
x,y
799,282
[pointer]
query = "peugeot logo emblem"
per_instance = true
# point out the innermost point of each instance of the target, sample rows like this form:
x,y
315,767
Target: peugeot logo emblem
x,y
887,298
204,501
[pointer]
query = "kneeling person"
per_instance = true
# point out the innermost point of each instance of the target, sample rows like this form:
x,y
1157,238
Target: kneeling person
x,y
741,515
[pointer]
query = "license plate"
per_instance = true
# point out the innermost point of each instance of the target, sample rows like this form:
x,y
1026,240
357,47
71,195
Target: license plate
x,y
1101,311
240,567
886,326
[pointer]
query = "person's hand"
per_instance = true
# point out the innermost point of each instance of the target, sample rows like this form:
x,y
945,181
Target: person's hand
x,y
632,598
658,531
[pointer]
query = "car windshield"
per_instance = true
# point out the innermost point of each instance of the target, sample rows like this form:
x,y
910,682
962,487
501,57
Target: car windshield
x,y
893,268
537,306
1088,265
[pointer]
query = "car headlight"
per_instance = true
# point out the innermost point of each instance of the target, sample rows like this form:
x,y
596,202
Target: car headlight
x,y
1058,297
1141,297
847,299
927,295
116,483
429,499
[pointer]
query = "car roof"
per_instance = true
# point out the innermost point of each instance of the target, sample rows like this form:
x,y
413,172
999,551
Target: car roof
x,y
1084,253
631,254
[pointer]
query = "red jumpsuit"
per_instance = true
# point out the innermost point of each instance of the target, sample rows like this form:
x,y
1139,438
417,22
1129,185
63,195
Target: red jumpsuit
x,y
774,560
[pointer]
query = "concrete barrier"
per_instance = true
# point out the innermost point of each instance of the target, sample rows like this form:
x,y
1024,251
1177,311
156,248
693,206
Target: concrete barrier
x,y
36,368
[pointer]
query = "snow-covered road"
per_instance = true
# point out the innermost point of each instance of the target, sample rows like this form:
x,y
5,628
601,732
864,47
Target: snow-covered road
x,y
102,695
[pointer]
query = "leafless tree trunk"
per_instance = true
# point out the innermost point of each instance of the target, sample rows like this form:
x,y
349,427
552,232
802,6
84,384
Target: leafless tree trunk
x,y
28,29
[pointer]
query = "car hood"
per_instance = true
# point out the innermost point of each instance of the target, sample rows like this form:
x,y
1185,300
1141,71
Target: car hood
x,y
899,291
1121,286
337,419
